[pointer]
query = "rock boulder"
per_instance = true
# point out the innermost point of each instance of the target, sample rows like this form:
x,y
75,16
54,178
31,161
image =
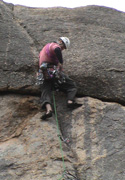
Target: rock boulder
x,y
93,147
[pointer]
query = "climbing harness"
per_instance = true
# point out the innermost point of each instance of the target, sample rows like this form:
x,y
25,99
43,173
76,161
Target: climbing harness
x,y
66,174
49,72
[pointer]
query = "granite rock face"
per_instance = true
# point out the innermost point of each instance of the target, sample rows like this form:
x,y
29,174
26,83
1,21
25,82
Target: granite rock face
x,y
17,54
96,57
29,147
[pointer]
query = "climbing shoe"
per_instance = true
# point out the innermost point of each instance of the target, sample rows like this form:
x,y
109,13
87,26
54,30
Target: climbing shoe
x,y
73,105
46,115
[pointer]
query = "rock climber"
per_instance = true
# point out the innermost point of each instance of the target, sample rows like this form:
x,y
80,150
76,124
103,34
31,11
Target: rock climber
x,y
50,57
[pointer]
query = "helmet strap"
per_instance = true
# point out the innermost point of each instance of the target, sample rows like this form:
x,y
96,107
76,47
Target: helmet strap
x,y
61,43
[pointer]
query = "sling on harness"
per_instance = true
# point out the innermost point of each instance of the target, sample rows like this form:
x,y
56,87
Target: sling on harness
x,y
49,71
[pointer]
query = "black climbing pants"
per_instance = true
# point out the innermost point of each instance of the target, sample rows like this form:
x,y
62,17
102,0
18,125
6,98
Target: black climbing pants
x,y
68,87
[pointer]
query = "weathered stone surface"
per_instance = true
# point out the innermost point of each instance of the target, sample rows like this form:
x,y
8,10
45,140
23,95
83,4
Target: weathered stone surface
x,y
14,113
96,57
18,55
96,133
29,148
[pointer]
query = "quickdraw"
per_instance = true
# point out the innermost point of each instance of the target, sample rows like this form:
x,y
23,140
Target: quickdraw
x,y
69,176
66,140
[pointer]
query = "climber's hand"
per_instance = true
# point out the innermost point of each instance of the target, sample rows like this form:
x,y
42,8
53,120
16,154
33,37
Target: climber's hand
x,y
60,67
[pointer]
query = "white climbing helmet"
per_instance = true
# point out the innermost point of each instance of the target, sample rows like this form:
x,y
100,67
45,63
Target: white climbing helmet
x,y
66,41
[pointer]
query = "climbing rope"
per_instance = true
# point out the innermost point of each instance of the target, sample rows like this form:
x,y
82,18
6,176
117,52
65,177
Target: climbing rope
x,y
58,132
66,174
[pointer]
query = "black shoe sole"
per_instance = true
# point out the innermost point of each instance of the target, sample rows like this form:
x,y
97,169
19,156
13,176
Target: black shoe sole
x,y
46,116
73,105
